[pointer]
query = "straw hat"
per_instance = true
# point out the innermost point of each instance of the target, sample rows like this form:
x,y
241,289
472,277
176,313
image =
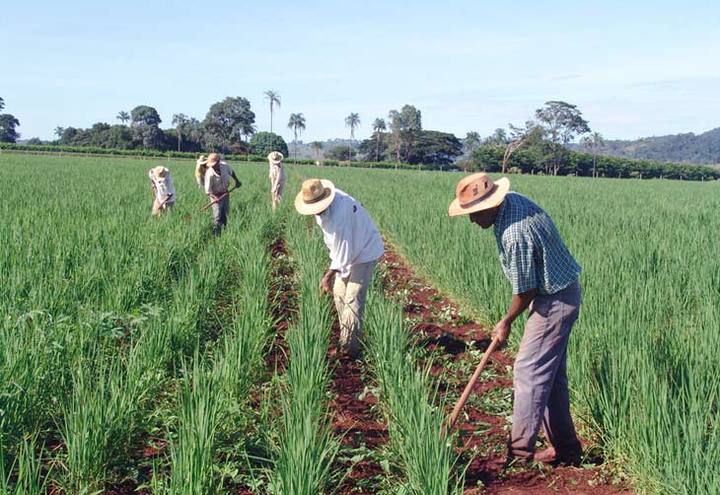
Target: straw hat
x,y
213,159
275,157
159,171
478,192
315,196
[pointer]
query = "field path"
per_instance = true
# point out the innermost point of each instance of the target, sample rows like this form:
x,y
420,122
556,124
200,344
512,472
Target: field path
x,y
452,341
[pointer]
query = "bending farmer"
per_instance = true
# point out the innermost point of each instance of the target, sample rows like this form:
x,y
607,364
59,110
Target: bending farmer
x,y
163,189
544,277
216,179
355,246
277,178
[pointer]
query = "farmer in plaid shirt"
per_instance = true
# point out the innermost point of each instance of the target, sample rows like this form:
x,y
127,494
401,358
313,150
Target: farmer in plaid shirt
x,y
544,278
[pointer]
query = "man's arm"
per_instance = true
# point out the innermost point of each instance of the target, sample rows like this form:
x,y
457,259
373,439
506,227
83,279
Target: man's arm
x,y
237,181
518,304
327,281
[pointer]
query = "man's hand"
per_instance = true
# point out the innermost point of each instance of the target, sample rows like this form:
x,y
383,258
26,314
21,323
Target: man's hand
x,y
501,332
326,282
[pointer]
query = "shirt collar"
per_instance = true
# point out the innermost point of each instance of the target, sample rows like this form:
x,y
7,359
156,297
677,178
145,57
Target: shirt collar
x,y
500,220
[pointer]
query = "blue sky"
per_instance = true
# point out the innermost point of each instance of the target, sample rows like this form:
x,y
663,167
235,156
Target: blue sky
x,y
633,68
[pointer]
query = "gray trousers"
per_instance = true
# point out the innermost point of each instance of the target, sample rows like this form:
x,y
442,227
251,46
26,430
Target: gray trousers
x,y
220,213
540,375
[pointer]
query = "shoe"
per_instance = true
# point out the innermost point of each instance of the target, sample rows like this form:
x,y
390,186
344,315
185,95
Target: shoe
x,y
552,457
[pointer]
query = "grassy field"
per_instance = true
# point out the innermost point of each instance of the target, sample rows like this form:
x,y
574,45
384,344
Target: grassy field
x,y
124,334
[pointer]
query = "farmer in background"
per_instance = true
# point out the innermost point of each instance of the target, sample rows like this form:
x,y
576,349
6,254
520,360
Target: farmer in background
x,y
163,189
216,183
200,169
544,278
277,178
355,246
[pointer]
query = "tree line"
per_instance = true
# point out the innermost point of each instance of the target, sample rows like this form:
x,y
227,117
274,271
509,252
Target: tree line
x,y
540,145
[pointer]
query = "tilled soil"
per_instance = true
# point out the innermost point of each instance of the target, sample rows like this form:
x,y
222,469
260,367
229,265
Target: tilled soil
x,y
454,343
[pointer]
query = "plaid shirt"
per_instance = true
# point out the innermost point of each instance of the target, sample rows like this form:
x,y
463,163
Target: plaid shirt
x,y
532,254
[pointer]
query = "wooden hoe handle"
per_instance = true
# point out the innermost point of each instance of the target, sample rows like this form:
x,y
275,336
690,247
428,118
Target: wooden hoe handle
x,y
471,384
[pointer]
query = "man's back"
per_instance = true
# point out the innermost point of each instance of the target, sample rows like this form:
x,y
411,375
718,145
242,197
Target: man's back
x,y
532,253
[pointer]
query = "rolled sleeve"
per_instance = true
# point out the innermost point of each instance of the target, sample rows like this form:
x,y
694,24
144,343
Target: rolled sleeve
x,y
519,265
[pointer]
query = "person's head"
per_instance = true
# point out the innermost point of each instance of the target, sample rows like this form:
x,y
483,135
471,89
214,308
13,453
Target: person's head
x,y
479,197
160,172
484,218
275,158
315,196
213,160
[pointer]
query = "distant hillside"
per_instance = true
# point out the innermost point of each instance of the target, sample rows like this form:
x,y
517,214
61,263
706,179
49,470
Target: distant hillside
x,y
686,148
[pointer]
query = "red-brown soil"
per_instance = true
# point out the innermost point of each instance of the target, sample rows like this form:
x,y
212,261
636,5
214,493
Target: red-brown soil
x,y
440,327
355,419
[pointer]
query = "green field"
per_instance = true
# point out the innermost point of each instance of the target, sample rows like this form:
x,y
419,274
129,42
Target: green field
x,y
123,333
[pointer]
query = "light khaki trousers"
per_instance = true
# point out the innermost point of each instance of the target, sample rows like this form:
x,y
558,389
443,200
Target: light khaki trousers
x,y
349,295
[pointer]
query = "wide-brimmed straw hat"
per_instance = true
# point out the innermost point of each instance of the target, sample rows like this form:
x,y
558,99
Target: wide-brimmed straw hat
x,y
478,192
213,159
275,157
315,196
159,171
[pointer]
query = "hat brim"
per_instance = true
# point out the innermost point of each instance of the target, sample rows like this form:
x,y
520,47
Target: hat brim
x,y
318,207
502,186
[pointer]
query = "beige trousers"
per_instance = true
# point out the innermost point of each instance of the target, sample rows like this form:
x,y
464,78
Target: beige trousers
x,y
349,295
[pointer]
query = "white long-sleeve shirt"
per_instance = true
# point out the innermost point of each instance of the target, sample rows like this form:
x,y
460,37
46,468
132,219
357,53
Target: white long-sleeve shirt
x,y
349,233
217,184
163,187
277,177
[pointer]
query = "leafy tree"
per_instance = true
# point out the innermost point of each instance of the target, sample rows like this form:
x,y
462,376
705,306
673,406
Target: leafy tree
x,y
297,124
353,122
227,121
144,114
273,97
379,127
2,103
123,116
341,153
59,131
435,148
497,138
471,142
562,122
179,120
145,125
317,146
262,143
593,143
405,126
8,123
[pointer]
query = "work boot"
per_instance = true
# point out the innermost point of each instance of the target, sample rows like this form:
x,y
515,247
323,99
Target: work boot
x,y
554,458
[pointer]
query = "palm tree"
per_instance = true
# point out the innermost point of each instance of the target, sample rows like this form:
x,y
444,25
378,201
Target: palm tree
x,y
59,131
179,120
273,97
296,123
352,121
123,116
378,127
317,146
593,142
